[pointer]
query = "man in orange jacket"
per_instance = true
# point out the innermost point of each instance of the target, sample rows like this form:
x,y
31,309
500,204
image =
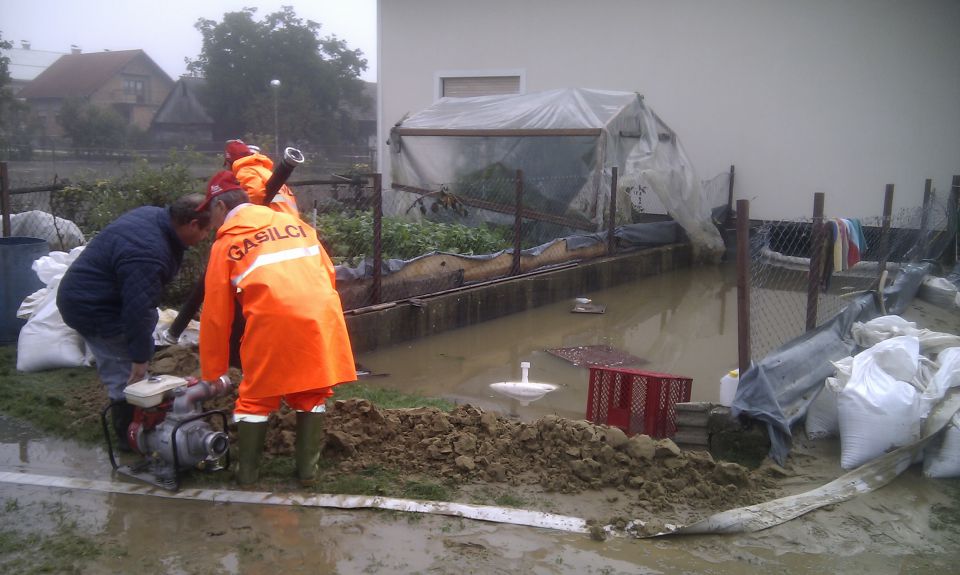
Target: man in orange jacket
x,y
252,169
295,344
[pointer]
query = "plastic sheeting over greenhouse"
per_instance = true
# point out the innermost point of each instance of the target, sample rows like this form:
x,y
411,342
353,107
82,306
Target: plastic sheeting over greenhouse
x,y
566,143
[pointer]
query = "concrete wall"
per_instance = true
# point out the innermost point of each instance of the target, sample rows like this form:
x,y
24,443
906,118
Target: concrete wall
x,y
405,321
840,97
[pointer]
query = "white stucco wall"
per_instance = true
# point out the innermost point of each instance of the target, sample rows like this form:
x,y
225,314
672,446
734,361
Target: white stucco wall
x,y
833,96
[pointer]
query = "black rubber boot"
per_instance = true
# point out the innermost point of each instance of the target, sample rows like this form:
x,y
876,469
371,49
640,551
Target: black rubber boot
x,y
307,446
122,413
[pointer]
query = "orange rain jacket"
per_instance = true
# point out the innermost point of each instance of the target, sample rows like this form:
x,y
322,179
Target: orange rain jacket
x,y
295,338
252,172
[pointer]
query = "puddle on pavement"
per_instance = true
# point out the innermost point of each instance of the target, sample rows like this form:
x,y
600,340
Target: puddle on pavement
x,y
682,323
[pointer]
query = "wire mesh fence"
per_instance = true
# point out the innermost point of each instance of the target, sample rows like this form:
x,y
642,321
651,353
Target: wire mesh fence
x,y
793,288
435,237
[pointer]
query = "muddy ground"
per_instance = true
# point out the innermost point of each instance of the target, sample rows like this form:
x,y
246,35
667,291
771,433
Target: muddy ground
x,y
564,466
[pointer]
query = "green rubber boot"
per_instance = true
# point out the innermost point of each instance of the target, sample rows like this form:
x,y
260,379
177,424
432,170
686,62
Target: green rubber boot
x,y
307,446
250,437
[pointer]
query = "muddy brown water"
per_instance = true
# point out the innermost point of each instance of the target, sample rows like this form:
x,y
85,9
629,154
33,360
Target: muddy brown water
x,y
682,323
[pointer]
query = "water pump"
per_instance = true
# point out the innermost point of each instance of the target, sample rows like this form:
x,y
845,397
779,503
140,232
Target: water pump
x,y
170,431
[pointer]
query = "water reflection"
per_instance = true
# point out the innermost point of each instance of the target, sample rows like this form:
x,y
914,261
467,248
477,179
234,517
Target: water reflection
x,y
683,322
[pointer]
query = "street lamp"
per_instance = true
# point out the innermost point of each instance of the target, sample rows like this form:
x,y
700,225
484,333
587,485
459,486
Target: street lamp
x,y
275,84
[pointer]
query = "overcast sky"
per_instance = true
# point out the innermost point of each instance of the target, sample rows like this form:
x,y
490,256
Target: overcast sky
x,y
164,28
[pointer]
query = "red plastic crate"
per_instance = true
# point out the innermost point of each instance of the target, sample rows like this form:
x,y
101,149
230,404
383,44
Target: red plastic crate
x,y
636,401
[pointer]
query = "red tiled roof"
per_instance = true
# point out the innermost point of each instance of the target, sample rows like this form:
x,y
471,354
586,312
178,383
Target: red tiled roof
x,y
80,75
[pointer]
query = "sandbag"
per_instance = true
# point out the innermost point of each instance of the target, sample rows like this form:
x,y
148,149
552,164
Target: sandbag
x,y
938,291
867,334
61,234
823,419
941,459
45,342
879,410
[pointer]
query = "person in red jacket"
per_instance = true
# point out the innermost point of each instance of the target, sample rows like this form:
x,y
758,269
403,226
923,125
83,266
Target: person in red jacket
x,y
295,344
252,169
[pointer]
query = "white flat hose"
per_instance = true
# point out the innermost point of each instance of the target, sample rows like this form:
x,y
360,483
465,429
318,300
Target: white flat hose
x,y
468,511
864,479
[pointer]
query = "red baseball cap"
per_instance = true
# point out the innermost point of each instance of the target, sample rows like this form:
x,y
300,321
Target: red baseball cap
x,y
235,150
221,183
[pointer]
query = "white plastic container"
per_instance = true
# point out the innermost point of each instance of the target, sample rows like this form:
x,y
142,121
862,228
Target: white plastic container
x,y
728,387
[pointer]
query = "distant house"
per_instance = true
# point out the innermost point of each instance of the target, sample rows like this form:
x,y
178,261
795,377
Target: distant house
x,y
182,119
127,80
27,63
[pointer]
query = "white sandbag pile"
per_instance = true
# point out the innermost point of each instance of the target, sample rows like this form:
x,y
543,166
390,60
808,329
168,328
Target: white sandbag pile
x,y
879,398
879,409
45,342
941,459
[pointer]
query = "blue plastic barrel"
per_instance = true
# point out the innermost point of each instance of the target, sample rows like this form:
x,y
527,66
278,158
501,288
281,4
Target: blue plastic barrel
x,y
17,280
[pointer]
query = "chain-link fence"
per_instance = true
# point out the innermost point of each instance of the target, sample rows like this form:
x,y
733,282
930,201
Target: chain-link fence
x,y
434,237
794,286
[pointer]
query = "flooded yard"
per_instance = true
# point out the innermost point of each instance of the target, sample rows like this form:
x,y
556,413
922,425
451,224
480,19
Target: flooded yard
x,y
682,323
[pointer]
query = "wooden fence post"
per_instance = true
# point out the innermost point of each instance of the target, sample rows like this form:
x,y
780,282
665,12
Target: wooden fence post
x,y
377,237
743,284
885,232
517,225
816,261
5,198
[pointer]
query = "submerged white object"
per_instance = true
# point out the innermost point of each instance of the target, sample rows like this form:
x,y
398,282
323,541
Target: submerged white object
x,y
523,391
149,392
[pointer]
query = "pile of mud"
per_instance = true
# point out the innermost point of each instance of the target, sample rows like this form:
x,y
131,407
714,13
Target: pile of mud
x,y
561,455
469,445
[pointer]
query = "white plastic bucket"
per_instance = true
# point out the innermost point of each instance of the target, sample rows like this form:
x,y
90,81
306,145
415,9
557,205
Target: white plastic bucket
x,y
728,387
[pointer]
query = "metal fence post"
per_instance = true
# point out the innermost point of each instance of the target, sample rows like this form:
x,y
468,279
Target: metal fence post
x,y
517,225
5,198
816,261
743,284
377,237
612,225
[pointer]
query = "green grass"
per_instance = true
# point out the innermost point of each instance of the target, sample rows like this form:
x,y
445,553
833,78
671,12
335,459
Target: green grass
x,y
67,402
63,402
388,398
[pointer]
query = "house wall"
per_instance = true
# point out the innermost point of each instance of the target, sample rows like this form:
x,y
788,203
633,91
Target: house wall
x,y
802,97
139,111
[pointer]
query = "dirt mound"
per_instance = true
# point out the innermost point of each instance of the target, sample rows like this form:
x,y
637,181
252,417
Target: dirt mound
x,y
562,455
468,446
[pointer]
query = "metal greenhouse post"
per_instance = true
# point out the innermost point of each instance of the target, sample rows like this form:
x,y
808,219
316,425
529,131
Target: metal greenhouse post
x,y
612,224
